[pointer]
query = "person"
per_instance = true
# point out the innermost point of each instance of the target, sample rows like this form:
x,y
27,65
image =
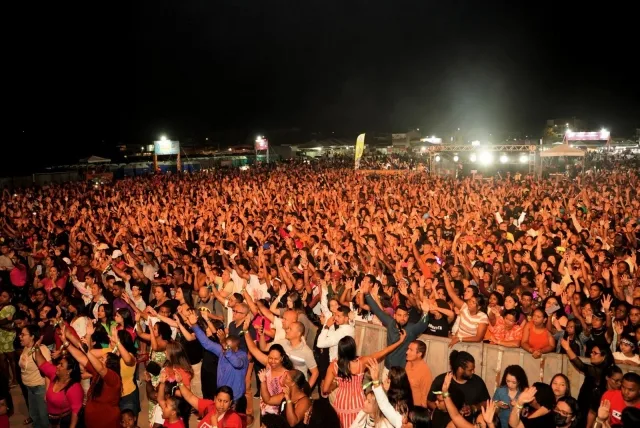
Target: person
x,y
628,352
31,376
170,406
128,419
536,338
370,416
64,395
471,325
514,381
277,364
594,383
616,401
566,412
507,332
418,372
400,321
411,417
534,408
464,379
214,413
485,419
7,334
102,408
330,337
232,362
345,378
561,386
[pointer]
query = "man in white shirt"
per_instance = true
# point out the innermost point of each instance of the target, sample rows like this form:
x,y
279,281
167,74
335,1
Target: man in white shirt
x,y
330,337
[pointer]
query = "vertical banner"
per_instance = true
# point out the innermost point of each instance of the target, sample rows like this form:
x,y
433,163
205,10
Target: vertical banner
x,y
359,149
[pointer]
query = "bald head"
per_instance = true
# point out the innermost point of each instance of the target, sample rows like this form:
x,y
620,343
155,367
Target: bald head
x,y
298,327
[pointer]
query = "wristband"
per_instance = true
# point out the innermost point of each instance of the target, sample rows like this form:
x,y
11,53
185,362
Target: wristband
x,y
445,395
376,382
66,344
519,407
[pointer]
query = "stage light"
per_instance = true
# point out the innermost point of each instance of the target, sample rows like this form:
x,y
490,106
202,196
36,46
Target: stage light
x,y
524,158
456,158
472,158
475,143
423,149
603,130
486,158
568,131
504,159
438,158
163,138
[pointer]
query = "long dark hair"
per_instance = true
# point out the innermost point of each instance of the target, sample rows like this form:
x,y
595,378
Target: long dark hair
x,y
127,321
286,361
301,382
347,352
127,342
112,363
520,375
74,371
400,395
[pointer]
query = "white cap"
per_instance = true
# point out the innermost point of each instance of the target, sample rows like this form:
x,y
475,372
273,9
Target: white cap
x,y
116,254
66,260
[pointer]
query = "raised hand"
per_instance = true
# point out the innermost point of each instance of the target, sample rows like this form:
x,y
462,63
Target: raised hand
x,y
374,370
527,396
447,382
488,411
604,410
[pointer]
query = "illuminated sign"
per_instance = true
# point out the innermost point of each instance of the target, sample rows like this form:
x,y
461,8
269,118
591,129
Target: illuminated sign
x,y
262,143
588,136
166,147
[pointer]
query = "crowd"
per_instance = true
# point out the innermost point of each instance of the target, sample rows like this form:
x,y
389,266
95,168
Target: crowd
x,y
199,292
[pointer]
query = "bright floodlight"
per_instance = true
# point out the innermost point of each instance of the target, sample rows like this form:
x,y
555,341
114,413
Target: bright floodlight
x,y
163,138
603,130
568,131
524,158
438,158
472,157
486,158
456,158
504,159
475,143
423,149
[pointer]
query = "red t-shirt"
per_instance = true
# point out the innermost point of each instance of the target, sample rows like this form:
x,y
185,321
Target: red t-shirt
x,y
617,406
207,409
178,424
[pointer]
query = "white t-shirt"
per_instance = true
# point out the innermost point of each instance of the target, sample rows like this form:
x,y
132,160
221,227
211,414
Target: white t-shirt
x,y
466,325
620,356
257,290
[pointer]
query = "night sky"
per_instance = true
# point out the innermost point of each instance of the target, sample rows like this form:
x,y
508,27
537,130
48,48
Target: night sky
x,y
129,72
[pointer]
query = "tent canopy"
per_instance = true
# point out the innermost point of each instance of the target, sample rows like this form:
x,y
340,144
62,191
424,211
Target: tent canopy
x,y
95,159
562,150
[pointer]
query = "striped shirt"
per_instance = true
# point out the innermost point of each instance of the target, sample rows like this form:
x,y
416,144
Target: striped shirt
x,y
466,325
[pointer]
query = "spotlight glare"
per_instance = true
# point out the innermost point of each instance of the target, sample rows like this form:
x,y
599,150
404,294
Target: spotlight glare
x,y
524,158
504,159
456,158
486,158
438,158
473,158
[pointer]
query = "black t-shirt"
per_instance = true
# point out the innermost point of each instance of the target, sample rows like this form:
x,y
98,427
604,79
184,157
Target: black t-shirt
x,y
193,350
438,327
474,390
237,331
546,421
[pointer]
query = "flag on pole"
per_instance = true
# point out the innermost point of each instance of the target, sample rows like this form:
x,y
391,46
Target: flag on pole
x,y
359,149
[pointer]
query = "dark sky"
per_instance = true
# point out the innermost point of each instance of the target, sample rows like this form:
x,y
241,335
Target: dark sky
x,y
129,72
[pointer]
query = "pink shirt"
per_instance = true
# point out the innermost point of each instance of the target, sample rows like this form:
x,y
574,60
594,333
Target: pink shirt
x,y
62,401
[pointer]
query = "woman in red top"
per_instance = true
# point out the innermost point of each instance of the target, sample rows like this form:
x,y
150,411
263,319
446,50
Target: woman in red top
x,y
64,395
102,409
216,413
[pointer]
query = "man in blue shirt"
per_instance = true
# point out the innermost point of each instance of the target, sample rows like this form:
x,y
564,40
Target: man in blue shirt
x,y
232,363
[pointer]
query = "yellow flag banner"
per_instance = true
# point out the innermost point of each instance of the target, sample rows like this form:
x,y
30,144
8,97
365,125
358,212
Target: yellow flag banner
x,y
359,149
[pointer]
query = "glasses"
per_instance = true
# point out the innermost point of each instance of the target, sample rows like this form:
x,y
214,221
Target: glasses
x,y
239,313
563,413
595,353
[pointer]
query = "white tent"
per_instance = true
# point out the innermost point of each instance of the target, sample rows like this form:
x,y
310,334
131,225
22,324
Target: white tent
x,y
562,150
95,159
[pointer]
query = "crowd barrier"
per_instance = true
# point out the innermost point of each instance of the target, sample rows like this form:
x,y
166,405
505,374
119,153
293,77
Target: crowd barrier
x,y
491,360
